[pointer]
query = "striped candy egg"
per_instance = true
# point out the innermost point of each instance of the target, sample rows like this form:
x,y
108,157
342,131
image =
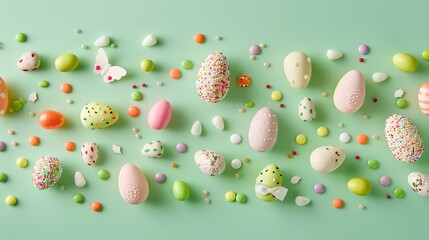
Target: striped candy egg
x,y
424,98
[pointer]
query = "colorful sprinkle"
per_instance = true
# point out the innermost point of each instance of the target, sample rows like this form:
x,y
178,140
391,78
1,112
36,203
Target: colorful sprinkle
x,y
243,81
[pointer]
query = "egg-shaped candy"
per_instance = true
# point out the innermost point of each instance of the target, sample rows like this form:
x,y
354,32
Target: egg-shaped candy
x,y
29,61
159,115
66,62
4,97
405,62
210,162
89,153
359,186
268,186
403,138
326,159
349,94
50,119
133,185
181,190
46,172
213,78
297,68
306,110
419,182
96,115
423,98
153,149
263,130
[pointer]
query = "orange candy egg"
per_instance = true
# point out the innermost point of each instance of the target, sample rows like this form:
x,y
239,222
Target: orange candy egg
x,y
50,119
3,97
424,98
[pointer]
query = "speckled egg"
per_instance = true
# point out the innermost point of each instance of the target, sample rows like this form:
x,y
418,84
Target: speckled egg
x,y
46,172
132,184
210,162
89,153
403,138
263,130
96,115
306,110
270,177
213,78
326,159
153,149
29,61
4,97
419,182
349,94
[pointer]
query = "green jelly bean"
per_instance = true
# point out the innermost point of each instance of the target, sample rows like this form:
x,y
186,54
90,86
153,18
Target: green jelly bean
x,y
20,37
77,30
401,103
405,62
187,64
372,163
66,62
78,198
241,198
180,190
103,174
113,45
425,55
147,65
17,105
3,177
399,193
359,186
136,96
44,84
249,104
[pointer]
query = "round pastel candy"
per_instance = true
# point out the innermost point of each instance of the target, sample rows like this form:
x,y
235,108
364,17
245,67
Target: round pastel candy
x,y
181,147
385,181
230,196
241,198
372,163
401,103
301,139
78,198
345,137
66,62
160,177
20,37
363,49
322,131
236,164
147,65
276,95
187,64
3,177
399,193
11,200
136,96
2,146
255,49
103,174
319,188
405,62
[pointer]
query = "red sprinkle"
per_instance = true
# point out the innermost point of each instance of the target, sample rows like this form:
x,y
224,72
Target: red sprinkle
x,y
361,60
357,157
282,105
268,86
389,197
293,153
134,86
375,100
144,85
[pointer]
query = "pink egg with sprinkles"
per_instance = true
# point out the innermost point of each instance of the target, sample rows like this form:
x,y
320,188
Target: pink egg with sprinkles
x,y
213,78
132,184
424,98
159,115
403,138
349,94
263,130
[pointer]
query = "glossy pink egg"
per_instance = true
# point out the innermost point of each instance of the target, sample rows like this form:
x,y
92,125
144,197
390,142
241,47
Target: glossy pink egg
x,y
349,94
159,115
133,185
263,130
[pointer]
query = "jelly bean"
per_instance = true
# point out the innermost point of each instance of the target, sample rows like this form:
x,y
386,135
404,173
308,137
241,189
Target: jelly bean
x,y
20,37
187,64
319,188
301,139
78,198
338,203
379,77
22,162
372,163
333,54
322,131
50,119
255,49
363,49
44,84
175,73
405,62
34,141
3,177
180,190
133,111
401,103
103,174
399,193
241,198
230,196
362,139
359,186
66,62
136,96
199,38
276,96
181,147
236,164
249,104
160,177
11,200
96,207
385,181
425,55
147,65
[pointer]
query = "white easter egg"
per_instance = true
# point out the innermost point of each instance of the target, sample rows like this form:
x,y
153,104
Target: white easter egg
x,y
29,61
153,149
196,129
79,179
297,68
326,159
218,123
306,110
89,153
349,94
210,162
263,130
419,182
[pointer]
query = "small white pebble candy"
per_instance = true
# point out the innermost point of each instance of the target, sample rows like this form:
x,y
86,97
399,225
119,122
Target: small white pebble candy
x,y
302,201
116,149
252,57
149,41
79,179
333,54
102,41
218,123
295,179
379,77
236,164
267,65
196,129
345,137
235,138
399,93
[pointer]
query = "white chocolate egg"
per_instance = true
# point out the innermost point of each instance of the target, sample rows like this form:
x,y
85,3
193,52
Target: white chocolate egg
x,y
326,159
263,130
306,110
29,61
210,162
419,182
297,68
349,94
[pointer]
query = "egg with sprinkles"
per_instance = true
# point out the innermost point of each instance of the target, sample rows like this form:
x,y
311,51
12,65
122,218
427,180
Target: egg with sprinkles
x,y
46,172
132,184
96,115
403,138
423,98
213,78
349,94
263,130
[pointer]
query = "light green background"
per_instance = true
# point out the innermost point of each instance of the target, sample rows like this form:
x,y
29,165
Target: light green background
x,y
310,26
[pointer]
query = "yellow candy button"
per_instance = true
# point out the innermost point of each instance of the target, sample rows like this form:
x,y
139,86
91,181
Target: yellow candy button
x,y
21,162
276,95
301,139
10,200
322,131
230,196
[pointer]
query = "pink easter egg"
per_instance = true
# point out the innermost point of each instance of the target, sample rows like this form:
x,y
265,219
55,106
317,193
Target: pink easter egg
x,y
263,130
159,115
349,94
133,185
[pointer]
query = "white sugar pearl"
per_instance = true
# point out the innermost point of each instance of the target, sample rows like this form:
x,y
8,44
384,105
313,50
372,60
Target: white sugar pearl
x,y
235,138
236,164
344,137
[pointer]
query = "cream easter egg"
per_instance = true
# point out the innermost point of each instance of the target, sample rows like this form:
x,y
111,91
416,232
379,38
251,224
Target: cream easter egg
x,y
268,186
423,98
210,162
297,68
159,115
326,159
46,172
29,61
306,110
403,138
133,185
89,153
419,182
4,97
153,149
96,115
263,130
213,78
349,94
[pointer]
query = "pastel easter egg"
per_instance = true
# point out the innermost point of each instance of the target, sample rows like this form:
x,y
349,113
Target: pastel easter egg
x,y
46,172
96,115
79,179
66,62
50,119
297,68
419,182
181,190
326,159
263,130
153,149
4,97
213,78
359,186
349,94
89,153
29,61
210,162
423,98
403,138
306,110
133,185
159,115
271,177
405,62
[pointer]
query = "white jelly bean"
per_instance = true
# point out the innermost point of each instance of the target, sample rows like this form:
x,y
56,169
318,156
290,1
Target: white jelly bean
x,y
149,41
